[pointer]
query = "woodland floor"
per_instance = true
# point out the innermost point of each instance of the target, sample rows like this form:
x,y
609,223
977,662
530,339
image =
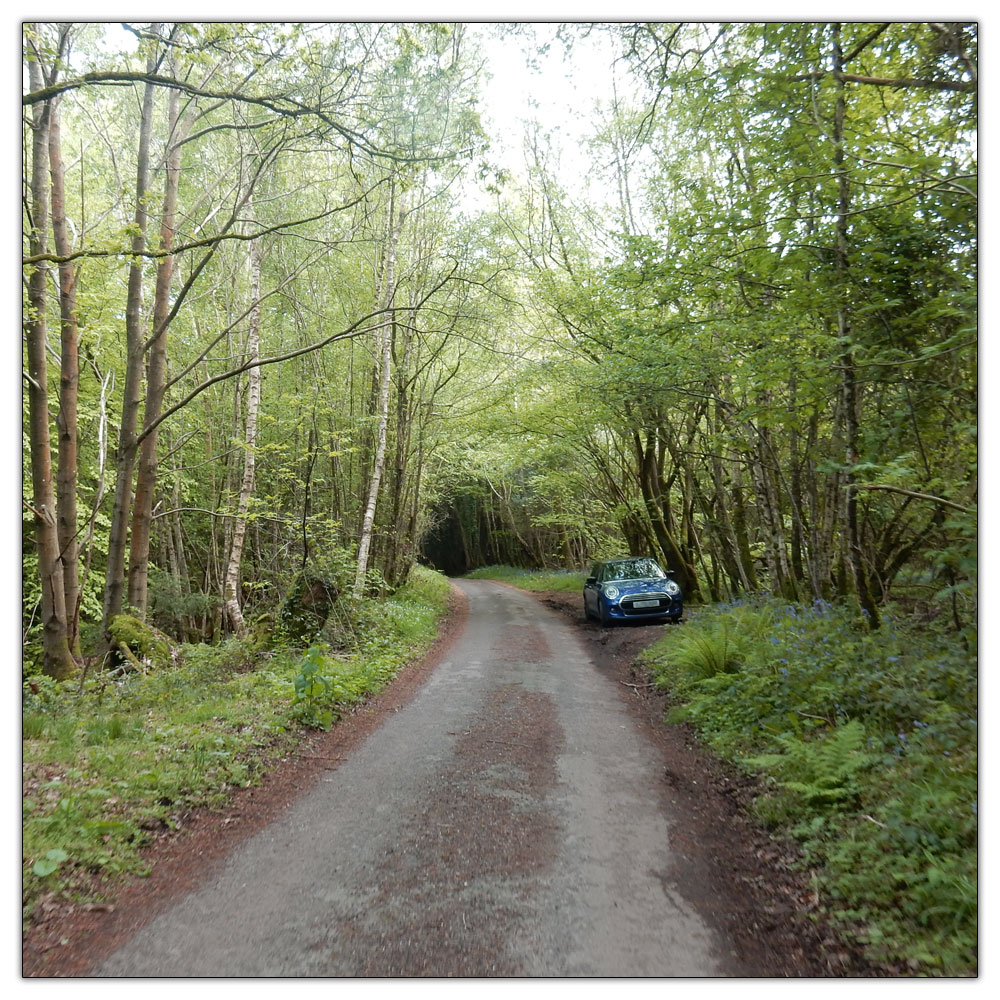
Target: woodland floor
x,y
737,876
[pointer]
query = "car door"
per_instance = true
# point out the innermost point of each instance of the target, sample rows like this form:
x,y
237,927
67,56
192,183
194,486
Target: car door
x,y
590,590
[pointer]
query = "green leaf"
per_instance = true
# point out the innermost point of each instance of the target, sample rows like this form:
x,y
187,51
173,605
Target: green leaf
x,y
52,860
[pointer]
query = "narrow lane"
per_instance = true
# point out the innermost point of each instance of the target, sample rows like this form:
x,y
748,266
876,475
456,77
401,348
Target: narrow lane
x,y
509,821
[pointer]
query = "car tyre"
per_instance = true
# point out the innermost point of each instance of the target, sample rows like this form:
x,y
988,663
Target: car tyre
x,y
605,620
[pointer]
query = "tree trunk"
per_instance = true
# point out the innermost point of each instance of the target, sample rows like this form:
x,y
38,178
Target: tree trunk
x,y
772,516
795,486
739,572
114,586
156,374
820,537
179,567
231,586
69,382
668,545
399,555
848,369
389,290
57,658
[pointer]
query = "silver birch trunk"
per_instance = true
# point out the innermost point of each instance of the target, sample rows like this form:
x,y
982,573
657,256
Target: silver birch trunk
x,y
231,584
389,290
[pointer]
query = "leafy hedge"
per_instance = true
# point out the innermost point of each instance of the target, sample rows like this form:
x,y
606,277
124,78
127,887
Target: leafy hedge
x,y
868,745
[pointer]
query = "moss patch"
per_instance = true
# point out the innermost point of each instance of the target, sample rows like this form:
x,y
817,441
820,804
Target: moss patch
x,y
146,644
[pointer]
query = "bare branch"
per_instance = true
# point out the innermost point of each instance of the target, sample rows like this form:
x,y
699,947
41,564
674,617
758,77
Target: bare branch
x,y
898,83
911,493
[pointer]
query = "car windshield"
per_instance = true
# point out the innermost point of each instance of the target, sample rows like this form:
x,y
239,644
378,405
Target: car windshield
x,y
632,569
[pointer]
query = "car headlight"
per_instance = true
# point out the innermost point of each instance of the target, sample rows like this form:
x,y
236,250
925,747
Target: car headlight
x,y
671,588
611,592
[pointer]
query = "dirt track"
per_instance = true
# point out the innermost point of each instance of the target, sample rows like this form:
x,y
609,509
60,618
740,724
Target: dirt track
x,y
512,807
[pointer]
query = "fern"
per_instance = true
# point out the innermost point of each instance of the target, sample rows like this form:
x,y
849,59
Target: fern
x,y
820,772
704,654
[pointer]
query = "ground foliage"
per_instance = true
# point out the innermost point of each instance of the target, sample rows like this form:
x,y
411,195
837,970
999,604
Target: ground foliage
x,y
107,762
868,747
535,580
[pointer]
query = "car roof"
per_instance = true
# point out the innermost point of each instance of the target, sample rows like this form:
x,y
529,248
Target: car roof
x,y
599,567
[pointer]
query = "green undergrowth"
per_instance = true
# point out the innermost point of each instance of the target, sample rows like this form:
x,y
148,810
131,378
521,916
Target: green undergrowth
x,y
110,762
531,579
867,747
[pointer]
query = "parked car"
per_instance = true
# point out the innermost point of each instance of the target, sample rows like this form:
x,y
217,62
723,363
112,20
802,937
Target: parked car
x,y
634,589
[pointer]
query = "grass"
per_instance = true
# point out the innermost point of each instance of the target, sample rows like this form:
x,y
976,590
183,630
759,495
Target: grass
x,y
107,764
867,745
532,579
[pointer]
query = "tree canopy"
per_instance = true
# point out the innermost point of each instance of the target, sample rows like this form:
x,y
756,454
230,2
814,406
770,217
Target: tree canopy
x,y
269,332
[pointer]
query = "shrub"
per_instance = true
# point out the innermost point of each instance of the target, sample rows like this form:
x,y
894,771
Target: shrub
x,y
312,691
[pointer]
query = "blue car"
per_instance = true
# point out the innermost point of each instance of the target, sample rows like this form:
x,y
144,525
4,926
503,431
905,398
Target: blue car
x,y
633,589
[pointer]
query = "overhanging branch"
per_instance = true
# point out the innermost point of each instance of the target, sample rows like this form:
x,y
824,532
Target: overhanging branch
x,y
911,493
897,83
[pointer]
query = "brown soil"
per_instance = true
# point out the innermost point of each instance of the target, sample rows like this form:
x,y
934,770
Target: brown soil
x,y
738,877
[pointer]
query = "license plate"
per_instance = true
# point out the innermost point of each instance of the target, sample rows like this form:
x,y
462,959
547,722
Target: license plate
x,y
645,604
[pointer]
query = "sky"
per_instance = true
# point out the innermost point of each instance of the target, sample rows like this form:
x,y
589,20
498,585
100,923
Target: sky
x,y
556,88
560,90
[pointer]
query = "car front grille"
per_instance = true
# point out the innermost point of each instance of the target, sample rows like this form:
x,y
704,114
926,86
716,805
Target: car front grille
x,y
663,603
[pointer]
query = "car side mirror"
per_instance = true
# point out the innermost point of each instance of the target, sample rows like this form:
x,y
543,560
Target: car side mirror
x,y
591,579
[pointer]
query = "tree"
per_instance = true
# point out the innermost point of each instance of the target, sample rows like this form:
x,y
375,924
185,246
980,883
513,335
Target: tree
x,y
395,218
156,368
114,589
58,659
231,581
69,381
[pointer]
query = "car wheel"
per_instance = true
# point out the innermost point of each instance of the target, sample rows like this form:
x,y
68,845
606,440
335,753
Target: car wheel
x,y
605,620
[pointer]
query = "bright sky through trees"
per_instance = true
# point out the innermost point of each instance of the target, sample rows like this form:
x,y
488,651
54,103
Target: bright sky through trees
x,y
537,79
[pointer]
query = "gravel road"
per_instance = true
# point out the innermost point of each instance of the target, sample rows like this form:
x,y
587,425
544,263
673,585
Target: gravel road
x,y
509,820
